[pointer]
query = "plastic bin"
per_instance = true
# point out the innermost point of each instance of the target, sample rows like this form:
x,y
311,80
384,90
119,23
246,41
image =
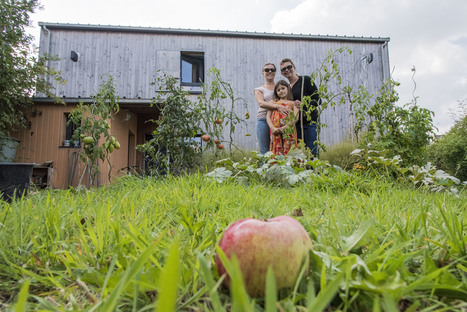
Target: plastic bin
x,y
15,179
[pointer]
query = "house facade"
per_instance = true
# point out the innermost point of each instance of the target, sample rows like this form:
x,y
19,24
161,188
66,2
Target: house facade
x,y
136,56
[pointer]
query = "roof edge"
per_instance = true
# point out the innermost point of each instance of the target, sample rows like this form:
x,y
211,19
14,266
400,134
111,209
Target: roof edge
x,y
199,32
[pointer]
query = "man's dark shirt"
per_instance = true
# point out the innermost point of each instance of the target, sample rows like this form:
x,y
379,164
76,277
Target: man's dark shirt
x,y
309,89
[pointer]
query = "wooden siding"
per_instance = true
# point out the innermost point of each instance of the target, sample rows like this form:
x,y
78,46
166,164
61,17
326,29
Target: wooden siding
x,y
44,140
133,59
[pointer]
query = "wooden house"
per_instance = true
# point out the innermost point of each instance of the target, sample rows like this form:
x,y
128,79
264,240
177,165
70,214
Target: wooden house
x,y
134,55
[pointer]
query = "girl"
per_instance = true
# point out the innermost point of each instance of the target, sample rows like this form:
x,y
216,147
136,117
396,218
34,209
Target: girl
x,y
282,126
264,97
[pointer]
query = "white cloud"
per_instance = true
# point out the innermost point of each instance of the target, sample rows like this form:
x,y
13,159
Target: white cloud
x,y
430,35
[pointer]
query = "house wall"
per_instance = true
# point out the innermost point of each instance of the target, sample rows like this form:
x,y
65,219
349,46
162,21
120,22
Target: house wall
x,y
134,55
44,141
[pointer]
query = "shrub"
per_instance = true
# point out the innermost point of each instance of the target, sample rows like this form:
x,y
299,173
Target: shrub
x,y
339,153
402,130
450,151
173,148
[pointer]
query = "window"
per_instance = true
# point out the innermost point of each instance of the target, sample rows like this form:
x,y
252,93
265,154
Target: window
x,y
69,129
192,68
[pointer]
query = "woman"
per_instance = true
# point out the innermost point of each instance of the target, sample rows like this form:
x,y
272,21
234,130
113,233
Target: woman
x,y
283,131
264,97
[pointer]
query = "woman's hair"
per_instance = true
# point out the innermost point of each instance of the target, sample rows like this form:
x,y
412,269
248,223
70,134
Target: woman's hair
x,y
285,84
269,64
285,60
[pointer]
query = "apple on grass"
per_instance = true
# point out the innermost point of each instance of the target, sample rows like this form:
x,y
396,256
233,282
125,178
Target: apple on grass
x,y
280,243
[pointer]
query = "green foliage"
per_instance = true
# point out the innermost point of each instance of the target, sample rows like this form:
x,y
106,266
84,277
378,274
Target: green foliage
x,y
338,154
328,79
450,151
180,119
380,163
405,131
140,244
22,73
280,170
93,123
376,119
298,168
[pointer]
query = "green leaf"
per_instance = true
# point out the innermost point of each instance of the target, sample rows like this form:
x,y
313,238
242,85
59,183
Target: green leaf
x,y
114,298
206,273
357,237
240,300
326,294
20,305
169,281
271,291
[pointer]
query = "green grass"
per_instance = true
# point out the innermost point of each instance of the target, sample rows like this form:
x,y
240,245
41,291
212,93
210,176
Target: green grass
x,y
147,245
339,154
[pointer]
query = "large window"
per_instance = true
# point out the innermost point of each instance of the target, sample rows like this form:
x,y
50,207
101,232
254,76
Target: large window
x,y
192,68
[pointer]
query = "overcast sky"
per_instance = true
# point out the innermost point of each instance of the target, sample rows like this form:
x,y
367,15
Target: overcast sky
x,y
428,35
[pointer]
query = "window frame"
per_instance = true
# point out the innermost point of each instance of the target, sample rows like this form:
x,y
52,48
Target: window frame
x,y
69,130
193,58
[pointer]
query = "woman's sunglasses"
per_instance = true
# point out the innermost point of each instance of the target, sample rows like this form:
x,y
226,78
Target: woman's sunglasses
x,y
283,69
267,70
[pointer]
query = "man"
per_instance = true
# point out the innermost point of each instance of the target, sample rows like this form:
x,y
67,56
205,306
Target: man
x,y
309,89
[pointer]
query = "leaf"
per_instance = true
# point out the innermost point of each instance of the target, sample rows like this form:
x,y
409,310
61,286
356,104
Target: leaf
x,y
271,291
110,302
206,273
354,239
22,297
326,294
240,301
169,281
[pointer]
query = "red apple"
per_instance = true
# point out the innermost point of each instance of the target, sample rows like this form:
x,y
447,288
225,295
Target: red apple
x,y
205,138
280,242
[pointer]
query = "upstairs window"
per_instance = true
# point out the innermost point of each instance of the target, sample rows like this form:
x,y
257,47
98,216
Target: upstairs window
x,y
192,68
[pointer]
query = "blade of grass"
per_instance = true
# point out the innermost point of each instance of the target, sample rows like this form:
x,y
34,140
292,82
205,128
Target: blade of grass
x,y
206,273
326,294
112,300
22,297
169,281
389,303
240,300
271,291
354,239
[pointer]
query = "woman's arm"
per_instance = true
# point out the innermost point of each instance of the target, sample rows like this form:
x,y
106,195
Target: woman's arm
x,y
296,111
269,105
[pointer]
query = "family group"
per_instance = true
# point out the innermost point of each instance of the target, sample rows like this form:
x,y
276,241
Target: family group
x,y
280,121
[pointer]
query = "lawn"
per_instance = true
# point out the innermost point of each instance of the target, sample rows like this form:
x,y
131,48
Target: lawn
x,y
150,245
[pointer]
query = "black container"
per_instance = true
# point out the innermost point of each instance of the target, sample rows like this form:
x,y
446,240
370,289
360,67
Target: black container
x,y
15,179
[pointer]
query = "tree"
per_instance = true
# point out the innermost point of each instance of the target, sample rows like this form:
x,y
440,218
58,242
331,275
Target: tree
x,y
92,127
450,151
22,71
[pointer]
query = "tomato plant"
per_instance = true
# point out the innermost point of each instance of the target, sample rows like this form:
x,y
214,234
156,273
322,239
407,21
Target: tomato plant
x,y
182,119
93,123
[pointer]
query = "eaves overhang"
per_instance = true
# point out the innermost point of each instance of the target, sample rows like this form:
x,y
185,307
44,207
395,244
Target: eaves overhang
x,y
218,33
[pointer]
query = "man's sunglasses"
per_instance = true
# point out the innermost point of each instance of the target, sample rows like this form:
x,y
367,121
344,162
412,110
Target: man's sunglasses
x,y
283,69
267,70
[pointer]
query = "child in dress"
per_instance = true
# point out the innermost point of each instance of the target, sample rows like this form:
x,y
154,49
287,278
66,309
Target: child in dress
x,y
282,126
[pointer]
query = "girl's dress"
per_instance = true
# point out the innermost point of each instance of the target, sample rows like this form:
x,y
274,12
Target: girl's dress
x,y
281,143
